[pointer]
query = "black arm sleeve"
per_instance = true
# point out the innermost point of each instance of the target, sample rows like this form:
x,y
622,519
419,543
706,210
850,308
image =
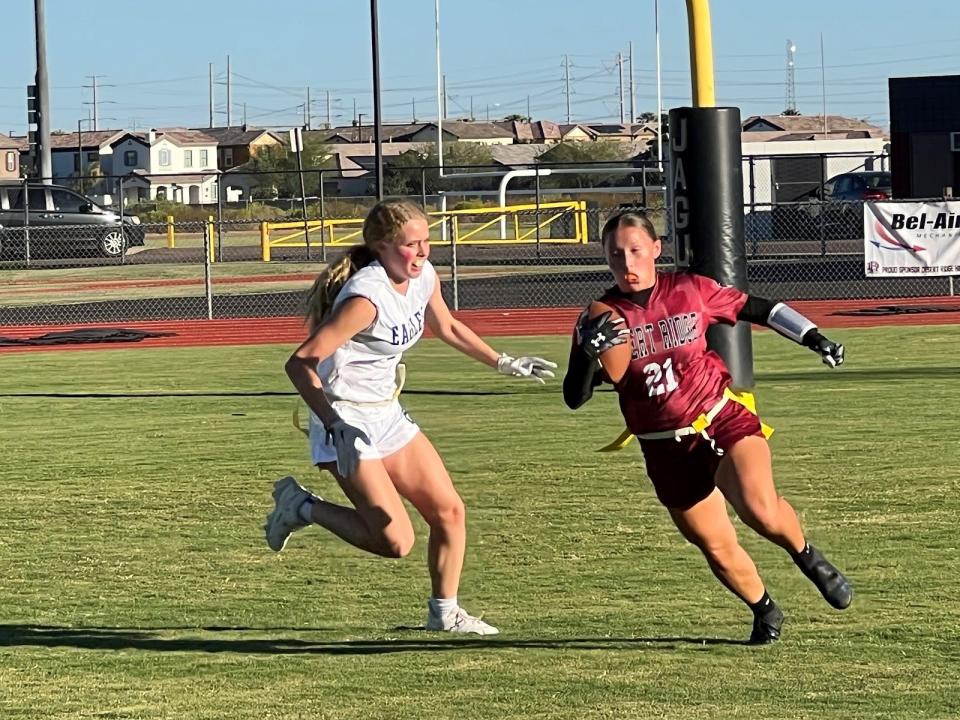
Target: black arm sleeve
x,y
582,377
756,310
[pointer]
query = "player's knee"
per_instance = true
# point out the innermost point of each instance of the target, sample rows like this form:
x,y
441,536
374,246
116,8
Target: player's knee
x,y
764,514
451,514
720,551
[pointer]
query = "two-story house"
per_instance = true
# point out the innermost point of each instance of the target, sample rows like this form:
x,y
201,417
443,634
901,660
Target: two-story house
x,y
237,144
174,164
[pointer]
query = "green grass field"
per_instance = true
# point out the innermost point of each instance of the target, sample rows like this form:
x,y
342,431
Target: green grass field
x,y
136,583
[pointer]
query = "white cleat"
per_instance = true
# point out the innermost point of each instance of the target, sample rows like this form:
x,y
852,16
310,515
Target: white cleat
x,y
459,621
284,519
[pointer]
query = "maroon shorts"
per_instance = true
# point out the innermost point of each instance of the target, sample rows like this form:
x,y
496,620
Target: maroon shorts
x,y
683,471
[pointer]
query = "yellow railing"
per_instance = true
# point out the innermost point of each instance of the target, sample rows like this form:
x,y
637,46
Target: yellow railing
x,y
464,227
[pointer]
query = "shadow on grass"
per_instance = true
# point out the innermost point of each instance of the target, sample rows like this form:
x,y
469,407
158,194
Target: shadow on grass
x,y
263,393
101,638
853,374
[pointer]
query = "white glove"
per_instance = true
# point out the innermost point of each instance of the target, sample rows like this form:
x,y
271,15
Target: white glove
x,y
344,437
534,367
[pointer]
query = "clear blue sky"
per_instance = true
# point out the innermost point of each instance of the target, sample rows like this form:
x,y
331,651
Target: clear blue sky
x,y
152,61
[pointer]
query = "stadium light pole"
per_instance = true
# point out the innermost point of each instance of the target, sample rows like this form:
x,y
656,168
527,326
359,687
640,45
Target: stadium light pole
x,y
44,162
375,46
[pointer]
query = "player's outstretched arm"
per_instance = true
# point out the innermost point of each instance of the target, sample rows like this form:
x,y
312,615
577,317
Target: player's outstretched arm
x,y
790,323
458,335
596,333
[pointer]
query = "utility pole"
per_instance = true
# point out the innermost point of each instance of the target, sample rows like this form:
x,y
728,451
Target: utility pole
x,y
328,110
244,113
229,97
529,116
566,73
306,112
620,71
80,172
93,86
375,48
656,30
44,163
444,96
210,90
823,91
413,106
633,93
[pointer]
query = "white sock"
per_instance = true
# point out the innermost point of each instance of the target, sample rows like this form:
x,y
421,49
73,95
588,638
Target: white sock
x,y
441,607
305,510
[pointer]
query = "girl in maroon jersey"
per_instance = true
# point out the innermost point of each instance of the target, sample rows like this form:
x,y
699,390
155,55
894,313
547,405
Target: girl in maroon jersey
x,y
703,447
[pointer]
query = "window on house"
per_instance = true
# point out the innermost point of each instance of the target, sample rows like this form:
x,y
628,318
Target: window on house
x,y
164,158
11,162
76,162
161,193
213,192
204,158
188,158
130,158
228,157
92,157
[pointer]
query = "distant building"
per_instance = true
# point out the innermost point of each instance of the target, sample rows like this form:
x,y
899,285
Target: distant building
x,y
236,145
925,135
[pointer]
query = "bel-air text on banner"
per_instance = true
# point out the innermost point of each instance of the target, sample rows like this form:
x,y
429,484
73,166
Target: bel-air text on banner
x,y
910,239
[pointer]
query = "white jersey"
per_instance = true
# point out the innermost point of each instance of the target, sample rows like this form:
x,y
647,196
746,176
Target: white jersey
x,y
363,369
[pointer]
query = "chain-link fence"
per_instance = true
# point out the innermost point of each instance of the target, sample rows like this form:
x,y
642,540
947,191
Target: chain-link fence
x,y
66,260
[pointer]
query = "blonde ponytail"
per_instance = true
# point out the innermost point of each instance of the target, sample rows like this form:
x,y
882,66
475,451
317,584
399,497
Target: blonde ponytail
x,y
384,223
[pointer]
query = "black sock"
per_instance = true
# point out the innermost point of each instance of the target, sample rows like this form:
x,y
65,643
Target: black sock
x,y
804,558
763,607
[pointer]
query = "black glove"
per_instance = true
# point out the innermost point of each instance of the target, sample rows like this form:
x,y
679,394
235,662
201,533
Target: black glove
x,y
830,352
597,335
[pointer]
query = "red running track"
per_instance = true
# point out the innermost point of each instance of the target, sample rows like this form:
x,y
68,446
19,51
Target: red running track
x,y
491,323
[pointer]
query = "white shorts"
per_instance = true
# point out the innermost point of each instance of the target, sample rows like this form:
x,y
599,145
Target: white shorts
x,y
389,428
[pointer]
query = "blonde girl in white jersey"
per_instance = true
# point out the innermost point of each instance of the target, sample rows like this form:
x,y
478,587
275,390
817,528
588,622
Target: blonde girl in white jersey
x,y
365,311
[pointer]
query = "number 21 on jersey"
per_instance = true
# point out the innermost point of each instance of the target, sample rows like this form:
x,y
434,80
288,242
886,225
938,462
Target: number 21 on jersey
x,y
660,378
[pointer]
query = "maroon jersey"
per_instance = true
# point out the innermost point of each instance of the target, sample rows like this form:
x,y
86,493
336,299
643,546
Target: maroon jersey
x,y
672,377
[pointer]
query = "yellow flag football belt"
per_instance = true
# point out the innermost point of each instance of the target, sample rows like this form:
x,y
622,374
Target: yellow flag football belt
x,y
697,427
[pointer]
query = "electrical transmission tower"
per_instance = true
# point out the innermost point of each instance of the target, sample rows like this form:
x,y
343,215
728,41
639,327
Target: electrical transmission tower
x,y
791,106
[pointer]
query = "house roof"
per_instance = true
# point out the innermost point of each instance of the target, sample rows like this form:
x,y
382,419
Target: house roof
x,y
353,134
809,124
354,159
237,134
474,130
518,155
90,140
8,143
184,136
526,132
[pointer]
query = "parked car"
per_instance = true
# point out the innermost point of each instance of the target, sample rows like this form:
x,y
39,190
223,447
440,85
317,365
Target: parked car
x,y
856,186
62,221
838,209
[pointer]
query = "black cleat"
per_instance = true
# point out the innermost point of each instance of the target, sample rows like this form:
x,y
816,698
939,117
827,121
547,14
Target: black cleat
x,y
831,583
766,628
